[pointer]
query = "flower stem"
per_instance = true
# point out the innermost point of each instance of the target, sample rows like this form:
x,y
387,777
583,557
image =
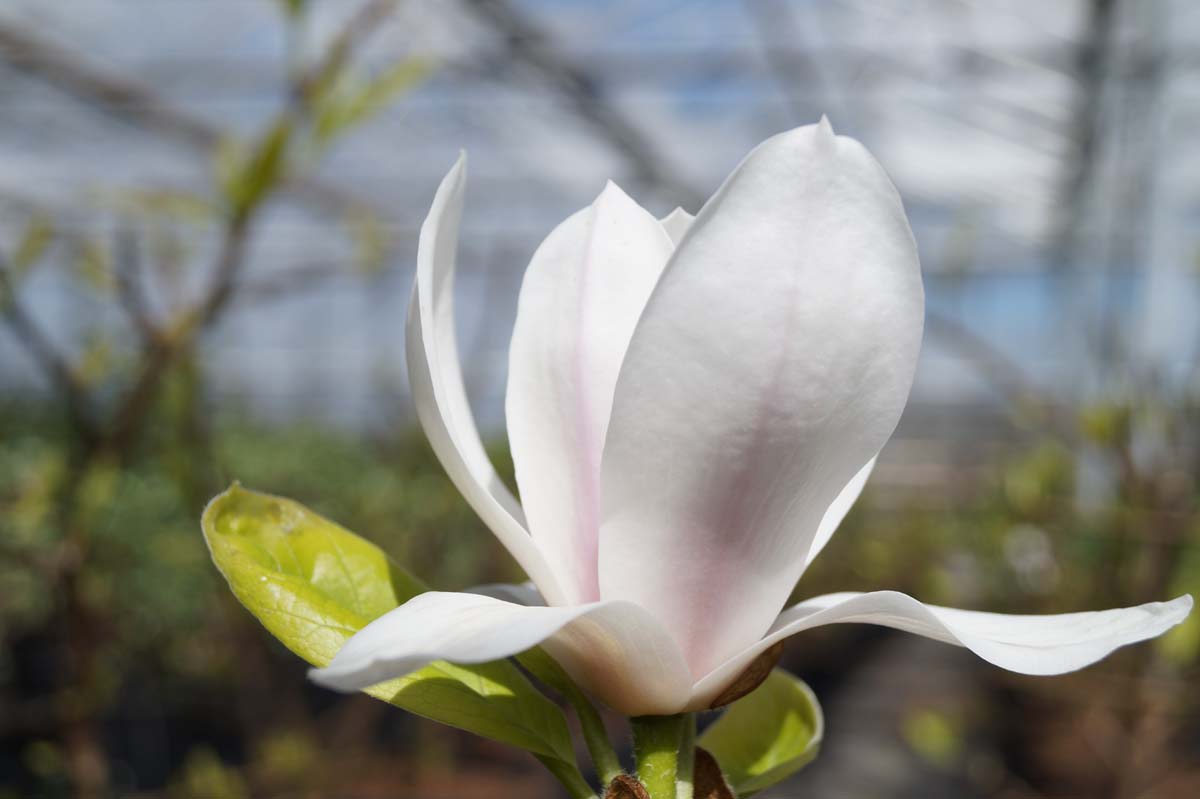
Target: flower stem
x,y
604,757
570,777
684,781
656,742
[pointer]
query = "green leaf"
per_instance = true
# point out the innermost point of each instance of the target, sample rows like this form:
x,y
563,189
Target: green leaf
x,y
767,735
36,237
314,584
247,178
93,265
293,8
348,102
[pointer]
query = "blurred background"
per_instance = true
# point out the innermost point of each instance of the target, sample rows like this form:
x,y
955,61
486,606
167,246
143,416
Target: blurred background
x,y
208,219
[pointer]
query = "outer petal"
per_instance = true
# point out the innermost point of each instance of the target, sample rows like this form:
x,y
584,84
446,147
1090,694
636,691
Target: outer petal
x,y
613,649
1025,644
838,509
437,385
676,224
581,297
771,363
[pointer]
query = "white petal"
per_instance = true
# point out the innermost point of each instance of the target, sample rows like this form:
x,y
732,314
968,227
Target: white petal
x,y
676,224
1025,644
581,297
770,364
837,511
615,650
437,385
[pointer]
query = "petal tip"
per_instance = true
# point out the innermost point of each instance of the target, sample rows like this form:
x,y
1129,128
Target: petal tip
x,y
824,135
613,196
328,678
611,191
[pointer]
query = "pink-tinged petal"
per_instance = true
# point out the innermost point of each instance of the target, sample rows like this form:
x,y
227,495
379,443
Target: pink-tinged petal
x,y
580,299
837,511
676,224
1026,644
615,650
437,385
771,363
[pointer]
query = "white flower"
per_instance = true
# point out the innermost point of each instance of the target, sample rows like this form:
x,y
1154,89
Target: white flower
x,y
693,406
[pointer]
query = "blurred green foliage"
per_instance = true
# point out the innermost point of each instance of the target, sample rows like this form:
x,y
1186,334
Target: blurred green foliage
x,y
1016,536
1101,511
149,564
150,585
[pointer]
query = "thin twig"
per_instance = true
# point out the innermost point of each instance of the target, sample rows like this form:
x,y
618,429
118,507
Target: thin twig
x,y
287,283
43,352
137,104
136,402
527,44
130,280
364,21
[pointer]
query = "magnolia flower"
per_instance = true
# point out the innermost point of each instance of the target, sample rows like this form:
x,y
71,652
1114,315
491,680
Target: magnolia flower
x,y
693,405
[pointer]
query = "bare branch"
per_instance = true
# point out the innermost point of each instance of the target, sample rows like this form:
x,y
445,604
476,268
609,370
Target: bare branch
x,y
130,279
55,367
997,369
288,283
527,44
771,22
137,104
163,346
1092,64
360,25
136,402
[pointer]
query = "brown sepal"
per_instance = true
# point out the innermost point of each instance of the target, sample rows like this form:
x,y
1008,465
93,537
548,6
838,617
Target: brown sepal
x,y
751,678
707,778
624,786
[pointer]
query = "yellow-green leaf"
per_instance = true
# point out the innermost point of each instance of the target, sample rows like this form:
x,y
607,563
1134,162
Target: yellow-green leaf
x,y
36,237
292,8
313,584
767,735
349,101
247,178
94,266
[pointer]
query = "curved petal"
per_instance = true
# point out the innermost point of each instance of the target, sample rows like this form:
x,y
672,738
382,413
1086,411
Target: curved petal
x,y
580,299
1026,644
676,224
437,385
770,364
615,650
837,511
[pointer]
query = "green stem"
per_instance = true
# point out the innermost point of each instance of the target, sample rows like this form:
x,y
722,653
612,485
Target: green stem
x,y
684,782
604,757
568,774
656,741
595,737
